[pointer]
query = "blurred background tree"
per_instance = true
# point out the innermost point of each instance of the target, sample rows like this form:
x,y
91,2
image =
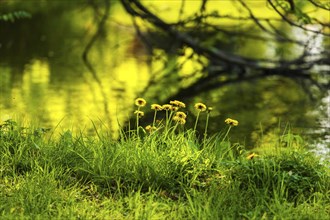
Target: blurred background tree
x,y
294,41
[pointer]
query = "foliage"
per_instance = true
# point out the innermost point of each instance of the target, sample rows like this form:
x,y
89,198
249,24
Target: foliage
x,y
296,173
13,16
165,173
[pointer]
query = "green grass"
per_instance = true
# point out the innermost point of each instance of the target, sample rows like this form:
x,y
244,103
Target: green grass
x,y
162,175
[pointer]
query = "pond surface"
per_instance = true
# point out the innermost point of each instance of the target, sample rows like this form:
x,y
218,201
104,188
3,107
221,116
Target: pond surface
x,y
44,80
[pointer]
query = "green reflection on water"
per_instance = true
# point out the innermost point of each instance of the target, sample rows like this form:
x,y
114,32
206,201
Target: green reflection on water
x,y
43,79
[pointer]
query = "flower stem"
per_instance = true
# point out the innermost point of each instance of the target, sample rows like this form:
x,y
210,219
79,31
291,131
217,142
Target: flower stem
x,y
226,134
154,122
167,121
175,127
196,121
137,123
206,125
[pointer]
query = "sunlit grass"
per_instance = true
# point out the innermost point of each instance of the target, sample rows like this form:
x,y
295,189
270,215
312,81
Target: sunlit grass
x,y
164,173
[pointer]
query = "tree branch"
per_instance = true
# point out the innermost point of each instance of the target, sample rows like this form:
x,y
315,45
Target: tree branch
x,y
233,66
86,51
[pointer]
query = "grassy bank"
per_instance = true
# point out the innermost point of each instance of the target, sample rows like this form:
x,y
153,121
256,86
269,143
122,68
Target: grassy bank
x,y
155,174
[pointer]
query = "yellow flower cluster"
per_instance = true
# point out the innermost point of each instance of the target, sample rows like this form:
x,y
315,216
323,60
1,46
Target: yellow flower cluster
x,y
140,102
180,117
231,122
150,128
173,106
177,103
181,121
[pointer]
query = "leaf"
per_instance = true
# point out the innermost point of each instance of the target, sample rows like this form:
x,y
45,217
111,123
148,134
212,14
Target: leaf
x,y
12,16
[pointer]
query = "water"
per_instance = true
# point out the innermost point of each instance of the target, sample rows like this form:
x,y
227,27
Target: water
x,y
44,80
321,145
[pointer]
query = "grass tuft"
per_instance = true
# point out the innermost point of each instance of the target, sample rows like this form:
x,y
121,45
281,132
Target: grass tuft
x,y
168,173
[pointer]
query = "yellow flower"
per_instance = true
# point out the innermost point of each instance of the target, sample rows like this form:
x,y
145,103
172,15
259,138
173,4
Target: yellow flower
x,y
179,120
181,115
200,106
140,102
209,109
178,104
156,107
140,114
182,121
150,128
231,122
167,107
251,156
174,108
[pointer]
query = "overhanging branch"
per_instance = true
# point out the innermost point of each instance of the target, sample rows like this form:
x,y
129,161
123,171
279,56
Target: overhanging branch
x,y
298,68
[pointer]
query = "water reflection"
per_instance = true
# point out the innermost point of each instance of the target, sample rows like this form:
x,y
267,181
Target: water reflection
x,y
43,79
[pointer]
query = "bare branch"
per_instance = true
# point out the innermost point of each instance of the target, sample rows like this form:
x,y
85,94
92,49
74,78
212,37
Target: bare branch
x,y
319,5
235,68
293,23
